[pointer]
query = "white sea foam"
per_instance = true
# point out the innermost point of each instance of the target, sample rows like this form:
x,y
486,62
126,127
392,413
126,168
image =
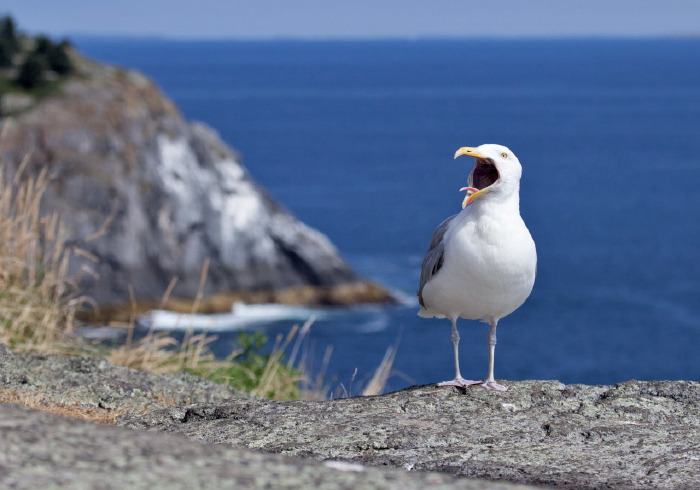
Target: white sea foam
x,y
241,316
277,311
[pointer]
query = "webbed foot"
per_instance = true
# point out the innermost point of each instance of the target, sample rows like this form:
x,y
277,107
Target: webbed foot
x,y
460,383
464,383
492,385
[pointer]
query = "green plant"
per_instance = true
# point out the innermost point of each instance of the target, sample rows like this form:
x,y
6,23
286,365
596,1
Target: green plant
x,y
249,369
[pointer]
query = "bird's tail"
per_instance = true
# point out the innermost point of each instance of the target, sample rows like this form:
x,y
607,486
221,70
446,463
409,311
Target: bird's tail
x,y
425,313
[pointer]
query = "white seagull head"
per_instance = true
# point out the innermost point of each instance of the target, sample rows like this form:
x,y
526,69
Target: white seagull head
x,y
496,171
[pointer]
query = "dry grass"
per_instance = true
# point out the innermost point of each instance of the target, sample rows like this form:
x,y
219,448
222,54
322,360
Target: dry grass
x,y
314,385
284,379
37,300
159,352
377,383
38,401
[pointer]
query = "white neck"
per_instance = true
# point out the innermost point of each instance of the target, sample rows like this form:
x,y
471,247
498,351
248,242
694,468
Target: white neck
x,y
505,199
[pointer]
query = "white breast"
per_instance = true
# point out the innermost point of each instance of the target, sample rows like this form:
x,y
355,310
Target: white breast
x,y
488,270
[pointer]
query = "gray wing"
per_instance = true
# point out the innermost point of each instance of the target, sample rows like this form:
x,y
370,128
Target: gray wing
x,y
434,257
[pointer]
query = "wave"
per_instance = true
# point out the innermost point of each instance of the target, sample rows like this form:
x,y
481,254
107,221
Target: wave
x,y
241,316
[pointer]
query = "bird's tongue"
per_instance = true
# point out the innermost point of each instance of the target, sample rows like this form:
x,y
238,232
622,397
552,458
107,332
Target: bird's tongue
x,y
470,191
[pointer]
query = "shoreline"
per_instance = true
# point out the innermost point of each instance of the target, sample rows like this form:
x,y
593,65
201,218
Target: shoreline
x,y
343,295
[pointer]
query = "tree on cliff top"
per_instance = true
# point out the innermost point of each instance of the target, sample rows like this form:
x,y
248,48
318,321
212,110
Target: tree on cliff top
x,y
31,72
34,56
9,41
58,58
42,45
8,35
5,55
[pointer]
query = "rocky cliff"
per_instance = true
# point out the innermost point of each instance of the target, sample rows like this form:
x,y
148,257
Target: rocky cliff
x,y
164,195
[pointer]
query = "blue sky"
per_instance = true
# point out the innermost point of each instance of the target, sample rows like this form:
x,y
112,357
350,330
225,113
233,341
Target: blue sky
x,y
358,18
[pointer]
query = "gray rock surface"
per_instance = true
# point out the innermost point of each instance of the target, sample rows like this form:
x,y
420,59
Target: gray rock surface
x,y
631,435
40,450
167,193
94,382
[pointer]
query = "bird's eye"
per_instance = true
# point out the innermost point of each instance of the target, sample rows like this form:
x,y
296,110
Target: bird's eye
x,y
504,155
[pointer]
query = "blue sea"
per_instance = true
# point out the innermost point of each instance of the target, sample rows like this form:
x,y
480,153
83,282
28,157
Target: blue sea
x,y
357,138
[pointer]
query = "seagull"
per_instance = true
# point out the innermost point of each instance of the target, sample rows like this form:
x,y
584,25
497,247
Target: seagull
x,y
481,262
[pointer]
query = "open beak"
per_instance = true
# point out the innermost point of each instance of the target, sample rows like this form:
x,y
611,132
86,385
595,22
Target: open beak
x,y
473,192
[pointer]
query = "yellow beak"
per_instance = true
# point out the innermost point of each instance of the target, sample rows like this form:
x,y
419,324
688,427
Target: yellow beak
x,y
469,151
472,152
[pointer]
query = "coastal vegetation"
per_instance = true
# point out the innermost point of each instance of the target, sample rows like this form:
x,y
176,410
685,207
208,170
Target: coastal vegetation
x,y
32,66
39,302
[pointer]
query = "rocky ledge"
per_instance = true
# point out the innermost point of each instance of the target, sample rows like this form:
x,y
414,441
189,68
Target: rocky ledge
x,y
632,435
147,196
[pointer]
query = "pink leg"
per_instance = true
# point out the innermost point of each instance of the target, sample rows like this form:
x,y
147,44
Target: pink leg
x,y
490,383
459,381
